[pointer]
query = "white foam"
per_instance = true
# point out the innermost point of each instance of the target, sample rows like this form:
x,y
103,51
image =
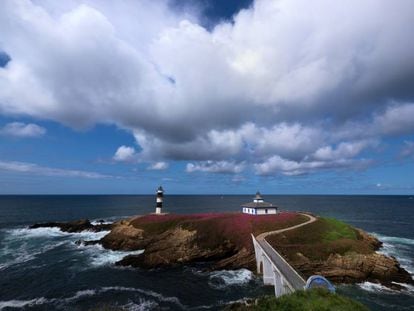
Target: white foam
x,y
22,303
81,294
150,293
398,247
224,278
394,239
406,287
379,288
55,232
100,256
375,287
24,254
143,305
38,232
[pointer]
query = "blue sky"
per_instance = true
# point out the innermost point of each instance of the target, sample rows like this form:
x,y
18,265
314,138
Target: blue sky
x,y
206,97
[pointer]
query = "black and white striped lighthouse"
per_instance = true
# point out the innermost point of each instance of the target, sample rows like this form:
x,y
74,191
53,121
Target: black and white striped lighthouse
x,y
160,195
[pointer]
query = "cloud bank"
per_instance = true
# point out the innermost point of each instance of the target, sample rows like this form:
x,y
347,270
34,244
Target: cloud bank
x,y
286,86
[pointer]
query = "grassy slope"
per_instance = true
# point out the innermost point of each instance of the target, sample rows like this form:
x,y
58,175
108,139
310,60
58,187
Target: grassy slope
x,y
315,300
214,228
320,239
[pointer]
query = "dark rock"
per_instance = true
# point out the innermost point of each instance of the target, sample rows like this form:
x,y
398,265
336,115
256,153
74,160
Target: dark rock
x,y
74,226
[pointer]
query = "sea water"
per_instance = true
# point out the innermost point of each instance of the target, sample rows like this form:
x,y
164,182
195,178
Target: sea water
x,y
43,269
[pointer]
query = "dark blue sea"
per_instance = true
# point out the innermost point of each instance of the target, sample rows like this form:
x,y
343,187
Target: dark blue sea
x,y
44,269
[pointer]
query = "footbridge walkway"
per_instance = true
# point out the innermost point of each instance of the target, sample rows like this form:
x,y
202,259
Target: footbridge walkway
x,y
276,270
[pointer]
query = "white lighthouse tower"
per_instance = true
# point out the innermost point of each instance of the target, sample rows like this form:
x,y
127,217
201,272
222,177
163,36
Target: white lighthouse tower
x,y
160,195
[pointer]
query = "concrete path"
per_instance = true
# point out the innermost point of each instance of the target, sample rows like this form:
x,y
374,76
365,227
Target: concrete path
x,y
265,234
290,274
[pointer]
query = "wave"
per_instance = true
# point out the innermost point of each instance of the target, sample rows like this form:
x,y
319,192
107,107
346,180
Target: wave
x,y
225,278
375,287
22,303
144,304
400,248
99,256
379,288
150,293
24,253
54,232
394,239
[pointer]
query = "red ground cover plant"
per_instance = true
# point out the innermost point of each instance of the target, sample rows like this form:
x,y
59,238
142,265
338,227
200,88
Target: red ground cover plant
x,y
214,228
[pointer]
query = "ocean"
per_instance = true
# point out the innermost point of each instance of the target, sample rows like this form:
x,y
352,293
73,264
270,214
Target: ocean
x,y
43,269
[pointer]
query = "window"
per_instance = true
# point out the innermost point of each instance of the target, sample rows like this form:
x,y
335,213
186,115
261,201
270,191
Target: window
x,y
266,210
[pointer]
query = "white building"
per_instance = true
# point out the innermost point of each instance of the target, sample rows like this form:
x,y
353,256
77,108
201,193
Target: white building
x,y
259,206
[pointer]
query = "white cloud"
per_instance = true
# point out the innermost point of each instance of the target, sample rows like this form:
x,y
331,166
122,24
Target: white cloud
x,y
397,119
31,168
294,80
19,129
277,165
222,167
344,150
158,166
125,154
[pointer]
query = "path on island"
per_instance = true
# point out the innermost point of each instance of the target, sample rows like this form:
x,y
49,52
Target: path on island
x,y
295,281
261,237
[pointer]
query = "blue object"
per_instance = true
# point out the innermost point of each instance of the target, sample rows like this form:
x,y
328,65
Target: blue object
x,y
318,281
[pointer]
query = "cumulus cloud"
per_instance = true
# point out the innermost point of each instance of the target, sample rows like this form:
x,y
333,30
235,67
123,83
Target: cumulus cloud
x,y
285,84
20,129
277,165
343,150
125,154
158,166
31,168
221,167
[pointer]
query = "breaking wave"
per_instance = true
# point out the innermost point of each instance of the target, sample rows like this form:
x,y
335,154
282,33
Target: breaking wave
x,y
144,304
225,278
55,232
100,256
393,239
400,248
22,303
375,287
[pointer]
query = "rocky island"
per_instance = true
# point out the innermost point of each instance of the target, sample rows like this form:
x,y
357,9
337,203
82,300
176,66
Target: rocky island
x,y
338,251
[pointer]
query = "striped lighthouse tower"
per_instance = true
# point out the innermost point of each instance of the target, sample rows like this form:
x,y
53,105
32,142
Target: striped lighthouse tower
x,y
160,195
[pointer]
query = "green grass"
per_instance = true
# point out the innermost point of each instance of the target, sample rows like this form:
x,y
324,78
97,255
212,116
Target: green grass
x,y
335,229
312,300
320,239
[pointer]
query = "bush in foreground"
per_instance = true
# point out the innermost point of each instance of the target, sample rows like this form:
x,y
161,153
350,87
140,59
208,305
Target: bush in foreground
x,y
311,300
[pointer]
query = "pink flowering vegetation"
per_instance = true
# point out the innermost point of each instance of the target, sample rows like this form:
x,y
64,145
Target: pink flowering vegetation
x,y
214,229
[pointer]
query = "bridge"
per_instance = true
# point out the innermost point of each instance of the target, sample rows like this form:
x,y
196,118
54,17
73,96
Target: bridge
x,y
275,269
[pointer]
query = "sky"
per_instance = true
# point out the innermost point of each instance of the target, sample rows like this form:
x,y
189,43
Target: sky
x,y
206,97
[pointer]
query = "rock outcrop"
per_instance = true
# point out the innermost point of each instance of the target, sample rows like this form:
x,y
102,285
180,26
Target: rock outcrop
x,y
355,268
185,240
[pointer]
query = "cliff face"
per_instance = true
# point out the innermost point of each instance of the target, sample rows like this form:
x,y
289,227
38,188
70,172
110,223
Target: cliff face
x,y
345,259
223,239
355,268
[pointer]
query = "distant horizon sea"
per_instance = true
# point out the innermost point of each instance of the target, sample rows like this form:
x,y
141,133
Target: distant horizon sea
x,y
43,269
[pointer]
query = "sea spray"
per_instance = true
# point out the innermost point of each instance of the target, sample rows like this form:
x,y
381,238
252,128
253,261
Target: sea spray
x,y
224,278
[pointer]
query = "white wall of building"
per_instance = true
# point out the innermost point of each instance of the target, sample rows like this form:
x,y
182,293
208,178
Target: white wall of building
x,y
260,211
